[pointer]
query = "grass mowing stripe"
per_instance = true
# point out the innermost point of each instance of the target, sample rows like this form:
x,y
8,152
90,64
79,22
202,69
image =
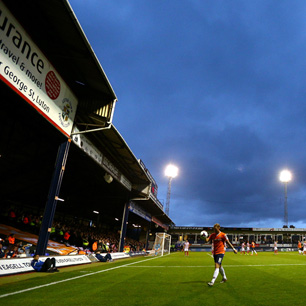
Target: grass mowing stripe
x,y
73,278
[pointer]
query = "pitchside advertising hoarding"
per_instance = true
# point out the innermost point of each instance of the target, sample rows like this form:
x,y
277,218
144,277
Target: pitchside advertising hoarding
x,y
19,265
25,69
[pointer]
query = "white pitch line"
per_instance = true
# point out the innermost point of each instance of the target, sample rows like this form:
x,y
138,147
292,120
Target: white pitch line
x,y
73,278
225,266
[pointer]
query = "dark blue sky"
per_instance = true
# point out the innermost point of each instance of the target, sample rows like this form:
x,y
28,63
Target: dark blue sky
x,y
218,89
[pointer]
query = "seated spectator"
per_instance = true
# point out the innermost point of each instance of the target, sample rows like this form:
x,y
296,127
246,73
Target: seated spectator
x,y
12,253
5,253
105,258
21,250
1,251
47,266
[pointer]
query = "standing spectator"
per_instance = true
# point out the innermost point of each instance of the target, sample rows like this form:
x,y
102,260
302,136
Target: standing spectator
x,y
73,238
61,235
94,246
66,237
11,241
25,222
12,216
85,243
114,248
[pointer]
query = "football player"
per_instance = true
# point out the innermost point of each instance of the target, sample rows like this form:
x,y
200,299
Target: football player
x,y
218,240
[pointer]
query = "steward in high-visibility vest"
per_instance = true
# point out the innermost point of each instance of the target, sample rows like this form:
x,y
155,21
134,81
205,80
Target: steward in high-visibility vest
x,y
60,235
94,246
85,243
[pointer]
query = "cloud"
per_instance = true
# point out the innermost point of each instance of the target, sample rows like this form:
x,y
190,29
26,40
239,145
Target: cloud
x,y
217,88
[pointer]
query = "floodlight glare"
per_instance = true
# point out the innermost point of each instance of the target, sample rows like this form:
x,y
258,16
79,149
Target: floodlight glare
x,y
285,176
171,171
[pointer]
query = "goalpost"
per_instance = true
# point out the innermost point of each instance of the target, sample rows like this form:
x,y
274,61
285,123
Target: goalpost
x,y
162,244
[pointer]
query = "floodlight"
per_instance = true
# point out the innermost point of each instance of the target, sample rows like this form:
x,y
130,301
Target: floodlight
x,y
285,176
171,171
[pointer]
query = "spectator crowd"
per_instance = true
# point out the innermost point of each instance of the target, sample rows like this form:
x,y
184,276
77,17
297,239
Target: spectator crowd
x,y
72,232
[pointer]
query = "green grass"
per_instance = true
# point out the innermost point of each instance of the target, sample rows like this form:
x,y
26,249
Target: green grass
x,y
265,279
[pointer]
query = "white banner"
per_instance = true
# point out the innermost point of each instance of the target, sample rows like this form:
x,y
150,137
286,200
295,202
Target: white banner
x,y
27,71
18,265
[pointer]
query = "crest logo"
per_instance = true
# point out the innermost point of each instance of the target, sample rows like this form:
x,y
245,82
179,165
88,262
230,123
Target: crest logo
x,y
66,111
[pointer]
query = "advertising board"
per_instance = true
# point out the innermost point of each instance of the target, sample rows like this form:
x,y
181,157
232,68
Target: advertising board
x,y
25,69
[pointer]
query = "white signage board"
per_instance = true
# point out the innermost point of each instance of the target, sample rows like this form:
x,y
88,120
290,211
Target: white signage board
x,y
18,265
25,69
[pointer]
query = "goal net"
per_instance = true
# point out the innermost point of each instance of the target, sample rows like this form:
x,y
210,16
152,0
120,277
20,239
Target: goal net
x,y
162,244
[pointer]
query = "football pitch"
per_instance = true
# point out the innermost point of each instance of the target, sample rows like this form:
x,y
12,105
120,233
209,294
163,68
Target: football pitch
x,y
175,279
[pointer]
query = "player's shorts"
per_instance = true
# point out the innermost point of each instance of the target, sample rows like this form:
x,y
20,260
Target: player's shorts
x,y
185,250
242,249
248,249
275,248
218,258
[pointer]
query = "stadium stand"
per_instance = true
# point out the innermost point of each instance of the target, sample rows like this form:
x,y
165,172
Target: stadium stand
x,y
69,233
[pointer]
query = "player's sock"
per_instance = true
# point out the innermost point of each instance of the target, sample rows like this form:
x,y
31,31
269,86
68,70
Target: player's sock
x,y
216,273
222,273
